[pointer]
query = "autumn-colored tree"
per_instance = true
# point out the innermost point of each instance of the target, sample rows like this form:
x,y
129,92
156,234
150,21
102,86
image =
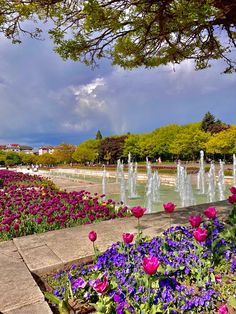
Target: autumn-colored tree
x,y
46,159
63,153
111,148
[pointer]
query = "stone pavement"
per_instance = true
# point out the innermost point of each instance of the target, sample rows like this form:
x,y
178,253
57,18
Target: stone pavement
x,y
42,253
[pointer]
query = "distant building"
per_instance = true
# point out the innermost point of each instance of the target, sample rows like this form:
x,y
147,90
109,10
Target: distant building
x,y
18,148
46,149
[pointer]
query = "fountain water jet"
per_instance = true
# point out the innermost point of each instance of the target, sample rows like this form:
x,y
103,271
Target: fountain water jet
x,y
211,183
221,181
104,182
201,175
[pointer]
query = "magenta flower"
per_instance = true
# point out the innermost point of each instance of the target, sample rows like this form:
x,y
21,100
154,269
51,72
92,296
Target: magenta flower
x,y
138,211
218,278
127,237
200,234
232,199
210,212
150,265
169,207
101,286
195,221
92,236
223,309
16,227
233,190
39,220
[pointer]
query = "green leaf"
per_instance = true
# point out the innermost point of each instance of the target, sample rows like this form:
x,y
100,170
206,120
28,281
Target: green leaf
x,y
232,301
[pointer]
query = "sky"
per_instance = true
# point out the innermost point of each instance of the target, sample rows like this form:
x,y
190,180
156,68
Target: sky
x,y
47,101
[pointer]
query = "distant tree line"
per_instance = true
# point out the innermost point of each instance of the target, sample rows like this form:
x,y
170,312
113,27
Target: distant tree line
x,y
170,142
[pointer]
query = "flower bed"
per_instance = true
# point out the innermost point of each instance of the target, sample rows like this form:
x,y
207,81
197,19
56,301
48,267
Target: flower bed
x,y
31,204
189,269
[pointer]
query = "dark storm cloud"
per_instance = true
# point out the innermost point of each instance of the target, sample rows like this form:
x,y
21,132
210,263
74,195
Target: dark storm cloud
x,y
45,100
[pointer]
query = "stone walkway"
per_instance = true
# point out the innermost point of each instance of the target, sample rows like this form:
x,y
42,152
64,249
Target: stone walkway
x,y
41,253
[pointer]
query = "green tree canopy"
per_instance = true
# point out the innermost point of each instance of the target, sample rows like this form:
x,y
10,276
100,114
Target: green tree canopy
x,y
163,138
28,158
133,33
132,145
12,158
223,142
87,151
189,141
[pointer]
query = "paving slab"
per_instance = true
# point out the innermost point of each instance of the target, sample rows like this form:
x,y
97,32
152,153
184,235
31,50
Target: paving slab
x,y
36,308
17,286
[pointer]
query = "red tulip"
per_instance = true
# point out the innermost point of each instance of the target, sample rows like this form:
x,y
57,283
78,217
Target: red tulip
x,y
233,190
195,221
200,234
210,212
101,286
138,211
127,237
92,236
223,309
169,207
232,199
150,265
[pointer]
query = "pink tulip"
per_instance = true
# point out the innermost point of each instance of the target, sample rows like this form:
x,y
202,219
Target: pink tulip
x,y
223,309
232,199
169,207
200,234
127,237
210,212
233,190
150,265
92,236
101,286
195,221
138,211
218,278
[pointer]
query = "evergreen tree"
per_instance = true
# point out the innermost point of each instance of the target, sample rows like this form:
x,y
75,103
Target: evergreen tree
x,y
207,121
98,135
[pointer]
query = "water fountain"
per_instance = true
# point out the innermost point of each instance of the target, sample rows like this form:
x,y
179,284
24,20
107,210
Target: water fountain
x,y
234,170
104,181
211,183
132,178
149,195
221,181
118,170
201,175
156,183
177,181
185,188
122,185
